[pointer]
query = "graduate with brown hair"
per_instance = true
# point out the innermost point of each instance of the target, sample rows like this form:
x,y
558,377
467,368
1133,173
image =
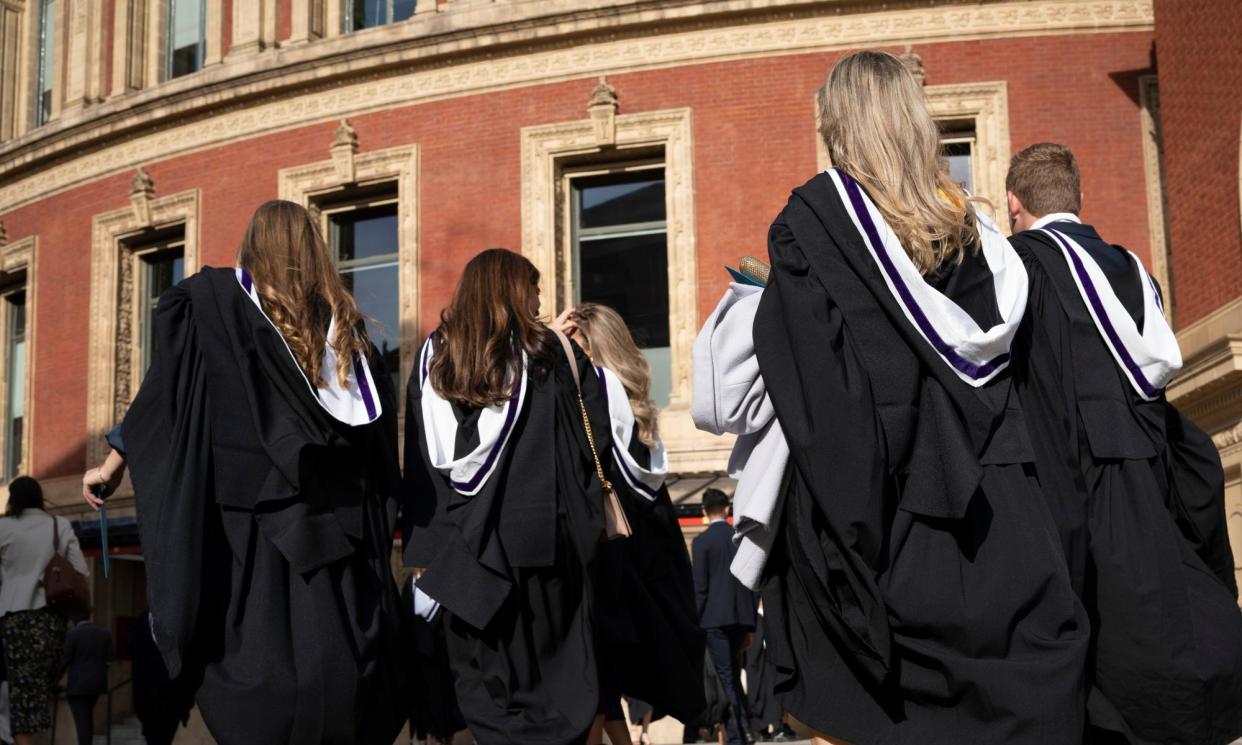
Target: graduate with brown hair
x,y
262,447
1136,488
503,506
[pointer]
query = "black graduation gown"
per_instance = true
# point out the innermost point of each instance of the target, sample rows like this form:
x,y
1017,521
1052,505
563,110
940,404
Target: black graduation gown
x,y
917,592
433,702
1138,492
765,711
513,565
266,527
649,628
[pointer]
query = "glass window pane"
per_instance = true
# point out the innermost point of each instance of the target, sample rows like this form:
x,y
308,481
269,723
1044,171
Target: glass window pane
x,y
16,400
959,157
630,275
186,37
403,9
365,244
620,200
621,260
371,13
161,271
47,52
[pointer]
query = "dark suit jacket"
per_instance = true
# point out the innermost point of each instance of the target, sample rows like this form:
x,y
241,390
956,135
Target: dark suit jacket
x,y
722,600
88,648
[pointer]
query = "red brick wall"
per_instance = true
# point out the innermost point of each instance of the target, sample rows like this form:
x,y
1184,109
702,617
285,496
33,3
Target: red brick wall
x,y
226,25
284,20
753,142
1199,53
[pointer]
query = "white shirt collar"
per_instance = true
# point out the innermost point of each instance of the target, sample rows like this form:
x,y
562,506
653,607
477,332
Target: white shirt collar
x,y
1052,217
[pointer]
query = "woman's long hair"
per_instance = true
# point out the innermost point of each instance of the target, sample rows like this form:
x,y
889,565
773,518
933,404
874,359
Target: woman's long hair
x,y
875,122
612,346
300,288
24,494
491,320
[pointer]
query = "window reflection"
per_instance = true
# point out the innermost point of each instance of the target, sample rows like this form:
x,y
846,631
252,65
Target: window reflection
x,y
360,14
187,23
365,244
15,415
621,259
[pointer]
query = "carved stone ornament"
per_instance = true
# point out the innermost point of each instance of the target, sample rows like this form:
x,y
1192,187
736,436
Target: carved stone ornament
x,y
4,234
344,148
141,194
602,108
914,63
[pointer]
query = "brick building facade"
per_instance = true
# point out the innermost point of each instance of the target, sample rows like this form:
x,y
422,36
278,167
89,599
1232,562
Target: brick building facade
x,y
137,136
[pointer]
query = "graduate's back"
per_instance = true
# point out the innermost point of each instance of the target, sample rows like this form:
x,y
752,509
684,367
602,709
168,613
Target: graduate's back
x,y
1137,490
503,508
915,590
262,448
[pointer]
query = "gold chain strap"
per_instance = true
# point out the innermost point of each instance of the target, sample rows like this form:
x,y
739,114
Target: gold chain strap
x,y
586,422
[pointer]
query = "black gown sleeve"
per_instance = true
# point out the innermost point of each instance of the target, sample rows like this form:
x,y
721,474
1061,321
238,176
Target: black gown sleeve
x,y
168,443
823,399
1197,494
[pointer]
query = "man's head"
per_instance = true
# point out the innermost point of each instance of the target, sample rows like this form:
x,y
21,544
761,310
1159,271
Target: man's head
x,y
1042,179
715,504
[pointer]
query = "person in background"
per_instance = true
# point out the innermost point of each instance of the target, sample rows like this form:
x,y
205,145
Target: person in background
x,y
88,650
1136,488
33,633
651,643
726,609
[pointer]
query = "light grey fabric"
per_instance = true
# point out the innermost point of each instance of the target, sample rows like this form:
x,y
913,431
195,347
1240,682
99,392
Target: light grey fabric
x,y
729,396
25,550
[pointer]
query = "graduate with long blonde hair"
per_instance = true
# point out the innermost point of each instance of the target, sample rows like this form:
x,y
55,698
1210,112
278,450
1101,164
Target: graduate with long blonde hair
x,y
914,591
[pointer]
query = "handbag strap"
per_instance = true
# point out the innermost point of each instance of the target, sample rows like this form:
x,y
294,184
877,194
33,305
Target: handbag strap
x,y
569,355
55,536
586,420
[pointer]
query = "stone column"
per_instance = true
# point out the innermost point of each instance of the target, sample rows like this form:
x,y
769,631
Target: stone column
x,y
307,21
83,51
254,27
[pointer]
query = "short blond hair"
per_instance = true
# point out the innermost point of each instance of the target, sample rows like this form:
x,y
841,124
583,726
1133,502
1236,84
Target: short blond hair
x,y
1045,178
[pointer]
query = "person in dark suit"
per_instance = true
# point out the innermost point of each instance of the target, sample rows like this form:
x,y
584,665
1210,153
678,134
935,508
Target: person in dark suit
x,y
726,609
88,650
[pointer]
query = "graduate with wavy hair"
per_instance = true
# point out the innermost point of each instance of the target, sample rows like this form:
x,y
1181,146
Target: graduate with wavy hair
x,y
262,448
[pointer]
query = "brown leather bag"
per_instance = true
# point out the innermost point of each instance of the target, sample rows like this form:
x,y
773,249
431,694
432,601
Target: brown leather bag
x,y
66,589
616,524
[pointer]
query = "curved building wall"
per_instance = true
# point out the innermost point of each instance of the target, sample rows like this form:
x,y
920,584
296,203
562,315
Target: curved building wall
x,y
470,115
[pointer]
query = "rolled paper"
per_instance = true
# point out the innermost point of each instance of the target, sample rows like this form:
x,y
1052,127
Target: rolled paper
x,y
756,270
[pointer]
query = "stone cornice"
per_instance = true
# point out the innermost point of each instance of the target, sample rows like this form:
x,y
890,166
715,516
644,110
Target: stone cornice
x,y
476,48
1209,387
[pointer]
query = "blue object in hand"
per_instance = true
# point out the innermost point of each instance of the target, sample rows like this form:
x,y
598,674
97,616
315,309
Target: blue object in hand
x,y
103,528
